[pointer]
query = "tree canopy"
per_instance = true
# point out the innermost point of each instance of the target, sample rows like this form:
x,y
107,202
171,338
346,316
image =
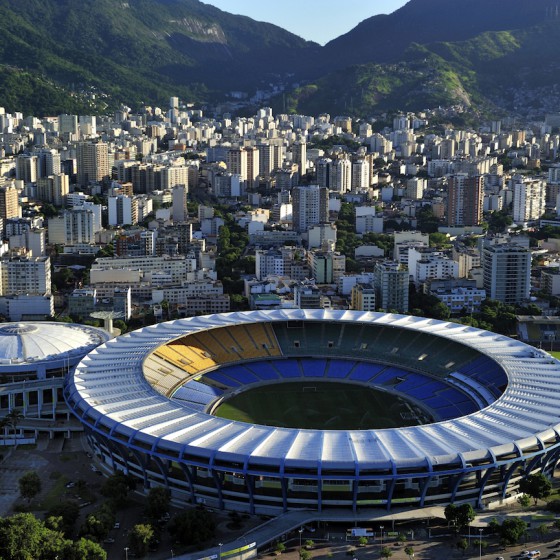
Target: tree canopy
x,y
536,485
193,527
24,537
29,485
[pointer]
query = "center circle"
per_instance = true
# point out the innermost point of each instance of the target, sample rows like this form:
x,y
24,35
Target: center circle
x,y
322,405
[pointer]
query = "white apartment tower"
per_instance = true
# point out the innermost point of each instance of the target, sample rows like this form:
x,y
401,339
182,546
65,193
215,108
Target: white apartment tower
x,y
507,272
529,197
24,275
123,210
72,227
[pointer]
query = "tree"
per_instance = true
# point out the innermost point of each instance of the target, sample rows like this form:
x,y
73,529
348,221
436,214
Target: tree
x,y
409,551
24,537
543,530
4,423
386,552
362,541
280,547
83,549
29,485
14,418
512,530
140,537
117,487
193,527
536,485
98,523
304,554
310,544
462,545
439,240
157,502
465,515
68,511
524,500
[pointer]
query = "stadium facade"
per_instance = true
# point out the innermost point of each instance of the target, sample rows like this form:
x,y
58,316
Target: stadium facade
x,y
34,359
146,399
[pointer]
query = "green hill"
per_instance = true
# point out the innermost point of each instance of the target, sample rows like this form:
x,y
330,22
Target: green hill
x,y
142,50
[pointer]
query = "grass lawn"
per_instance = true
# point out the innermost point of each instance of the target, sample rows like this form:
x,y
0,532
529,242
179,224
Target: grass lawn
x,y
318,405
555,354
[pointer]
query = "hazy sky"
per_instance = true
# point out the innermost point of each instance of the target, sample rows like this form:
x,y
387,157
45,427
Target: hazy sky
x,y
314,20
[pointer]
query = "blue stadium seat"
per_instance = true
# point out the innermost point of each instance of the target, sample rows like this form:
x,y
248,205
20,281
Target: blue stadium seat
x,y
313,368
264,370
222,379
365,371
288,368
240,374
339,369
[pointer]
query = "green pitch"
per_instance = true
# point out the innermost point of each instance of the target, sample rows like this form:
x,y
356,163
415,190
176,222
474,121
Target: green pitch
x,y
320,405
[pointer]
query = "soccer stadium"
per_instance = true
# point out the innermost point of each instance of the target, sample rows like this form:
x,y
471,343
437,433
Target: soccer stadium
x,y
270,411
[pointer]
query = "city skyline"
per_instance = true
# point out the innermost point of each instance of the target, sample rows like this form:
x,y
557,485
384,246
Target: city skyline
x,y
328,21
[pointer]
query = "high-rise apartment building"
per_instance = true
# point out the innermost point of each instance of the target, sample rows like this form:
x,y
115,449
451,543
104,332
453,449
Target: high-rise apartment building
x,y
53,189
9,203
123,210
26,168
48,162
465,197
507,272
21,274
529,197
72,227
93,162
391,282
299,156
310,206
179,207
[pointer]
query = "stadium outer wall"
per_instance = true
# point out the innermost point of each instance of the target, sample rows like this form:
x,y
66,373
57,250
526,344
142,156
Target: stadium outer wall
x,y
133,426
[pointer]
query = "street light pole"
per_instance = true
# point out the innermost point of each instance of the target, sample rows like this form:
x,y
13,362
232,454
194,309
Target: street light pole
x,y
300,531
220,555
126,552
480,543
381,528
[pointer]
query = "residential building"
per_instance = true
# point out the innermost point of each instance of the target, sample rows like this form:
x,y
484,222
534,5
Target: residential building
x,y
507,272
53,189
21,274
9,202
72,227
93,162
363,297
310,206
465,197
529,196
391,282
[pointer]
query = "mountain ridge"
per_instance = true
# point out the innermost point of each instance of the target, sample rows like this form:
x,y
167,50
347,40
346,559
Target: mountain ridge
x,y
427,53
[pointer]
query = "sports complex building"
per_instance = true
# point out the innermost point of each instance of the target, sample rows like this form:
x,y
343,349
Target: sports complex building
x,y
269,411
34,358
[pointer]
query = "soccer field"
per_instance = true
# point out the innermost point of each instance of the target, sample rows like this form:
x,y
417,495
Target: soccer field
x,y
319,405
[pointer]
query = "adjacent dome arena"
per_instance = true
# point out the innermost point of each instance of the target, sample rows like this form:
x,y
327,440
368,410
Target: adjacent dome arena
x,y
487,410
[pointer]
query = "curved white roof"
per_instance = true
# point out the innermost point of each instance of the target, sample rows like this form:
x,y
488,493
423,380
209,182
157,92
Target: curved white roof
x,y
109,384
27,342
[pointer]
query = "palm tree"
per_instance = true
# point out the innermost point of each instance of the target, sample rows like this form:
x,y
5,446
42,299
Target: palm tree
x,y
14,417
4,423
